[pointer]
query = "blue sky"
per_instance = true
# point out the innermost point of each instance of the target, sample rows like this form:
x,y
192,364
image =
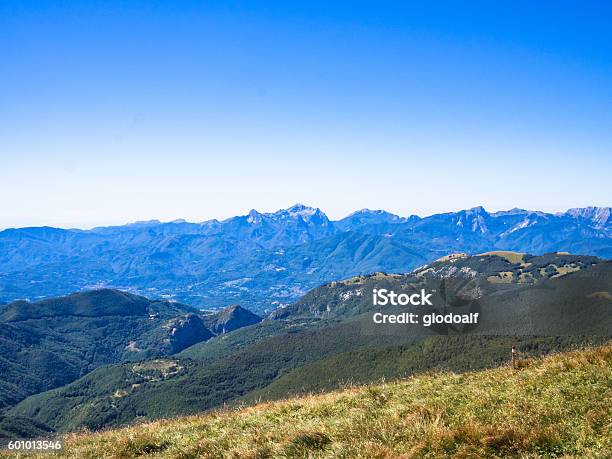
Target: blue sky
x,y
120,111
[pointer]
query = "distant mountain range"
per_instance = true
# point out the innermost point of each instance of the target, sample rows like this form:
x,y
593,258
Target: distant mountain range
x,y
263,260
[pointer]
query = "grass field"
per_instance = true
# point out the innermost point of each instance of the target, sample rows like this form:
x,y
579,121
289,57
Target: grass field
x,y
558,406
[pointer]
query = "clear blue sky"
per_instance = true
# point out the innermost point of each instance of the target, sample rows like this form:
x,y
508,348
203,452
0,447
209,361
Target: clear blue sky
x,y
119,111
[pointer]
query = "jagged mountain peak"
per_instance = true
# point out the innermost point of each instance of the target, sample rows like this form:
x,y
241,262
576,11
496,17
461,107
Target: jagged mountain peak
x,y
478,210
473,219
598,215
302,211
374,212
513,211
254,217
365,210
365,217
295,212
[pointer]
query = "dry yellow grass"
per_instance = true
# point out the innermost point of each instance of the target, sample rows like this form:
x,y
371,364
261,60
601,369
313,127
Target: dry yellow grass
x,y
503,277
559,406
452,256
566,269
359,280
512,257
602,295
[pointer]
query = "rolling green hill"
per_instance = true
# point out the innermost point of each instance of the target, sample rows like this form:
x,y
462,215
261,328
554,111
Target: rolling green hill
x,y
455,278
50,343
558,406
229,343
459,276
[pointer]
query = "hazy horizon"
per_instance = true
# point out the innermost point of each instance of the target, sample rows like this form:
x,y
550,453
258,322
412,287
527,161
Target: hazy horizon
x,y
244,213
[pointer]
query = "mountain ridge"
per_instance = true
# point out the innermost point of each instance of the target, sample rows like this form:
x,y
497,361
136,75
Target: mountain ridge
x,y
264,260
602,213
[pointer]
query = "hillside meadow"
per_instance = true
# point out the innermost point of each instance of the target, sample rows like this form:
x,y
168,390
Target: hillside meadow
x,y
557,406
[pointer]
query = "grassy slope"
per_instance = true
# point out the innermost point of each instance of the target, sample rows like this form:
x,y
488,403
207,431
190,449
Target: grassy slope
x,y
559,405
89,401
436,353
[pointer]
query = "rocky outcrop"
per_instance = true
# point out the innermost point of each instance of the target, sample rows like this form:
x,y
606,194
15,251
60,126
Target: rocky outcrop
x,y
186,331
231,318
